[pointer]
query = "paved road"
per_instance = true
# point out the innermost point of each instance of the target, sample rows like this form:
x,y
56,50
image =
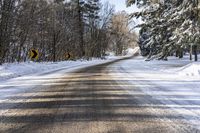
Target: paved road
x,y
91,100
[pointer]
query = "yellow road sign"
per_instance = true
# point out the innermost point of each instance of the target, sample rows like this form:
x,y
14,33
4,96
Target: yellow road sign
x,y
68,56
34,54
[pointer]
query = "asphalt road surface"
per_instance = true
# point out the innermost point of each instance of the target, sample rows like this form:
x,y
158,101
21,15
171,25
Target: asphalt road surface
x,y
91,100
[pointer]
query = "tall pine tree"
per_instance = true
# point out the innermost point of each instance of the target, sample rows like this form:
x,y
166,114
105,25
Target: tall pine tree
x,y
172,26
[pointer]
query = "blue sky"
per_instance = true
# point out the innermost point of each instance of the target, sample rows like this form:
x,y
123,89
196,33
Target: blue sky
x,y
120,5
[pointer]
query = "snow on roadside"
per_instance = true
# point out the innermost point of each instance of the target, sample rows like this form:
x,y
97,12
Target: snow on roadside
x,y
191,70
174,83
126,53
180,67
131,51
14,70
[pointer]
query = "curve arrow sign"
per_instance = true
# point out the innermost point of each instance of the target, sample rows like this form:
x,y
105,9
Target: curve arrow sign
x,y
34,54
68,56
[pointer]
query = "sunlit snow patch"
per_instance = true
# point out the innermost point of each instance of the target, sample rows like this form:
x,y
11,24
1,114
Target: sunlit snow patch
x,y
191,70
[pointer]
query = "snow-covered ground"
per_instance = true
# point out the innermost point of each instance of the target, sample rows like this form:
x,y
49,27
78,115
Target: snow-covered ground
x,y
14,70
19,76
191,70
174,83
179,68
22,77
170,84
173,69
184,68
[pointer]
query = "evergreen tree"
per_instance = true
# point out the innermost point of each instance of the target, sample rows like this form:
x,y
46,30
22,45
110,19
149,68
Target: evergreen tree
x,y
172,26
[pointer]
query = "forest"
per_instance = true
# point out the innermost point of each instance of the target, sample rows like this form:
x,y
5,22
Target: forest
x,y
90,28
83,28
170,27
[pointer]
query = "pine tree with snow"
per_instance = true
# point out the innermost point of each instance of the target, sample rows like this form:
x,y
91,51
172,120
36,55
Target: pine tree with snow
x,y
171,25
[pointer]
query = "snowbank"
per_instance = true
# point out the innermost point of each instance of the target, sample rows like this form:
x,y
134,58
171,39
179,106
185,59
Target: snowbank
x,y
180,67
183,68
131,51
191,70
127,53
14,70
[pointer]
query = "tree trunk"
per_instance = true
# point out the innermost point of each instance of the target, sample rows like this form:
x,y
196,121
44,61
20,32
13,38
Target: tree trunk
x,y
191,52
195,53
54,48
80,25
177,53
180,54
